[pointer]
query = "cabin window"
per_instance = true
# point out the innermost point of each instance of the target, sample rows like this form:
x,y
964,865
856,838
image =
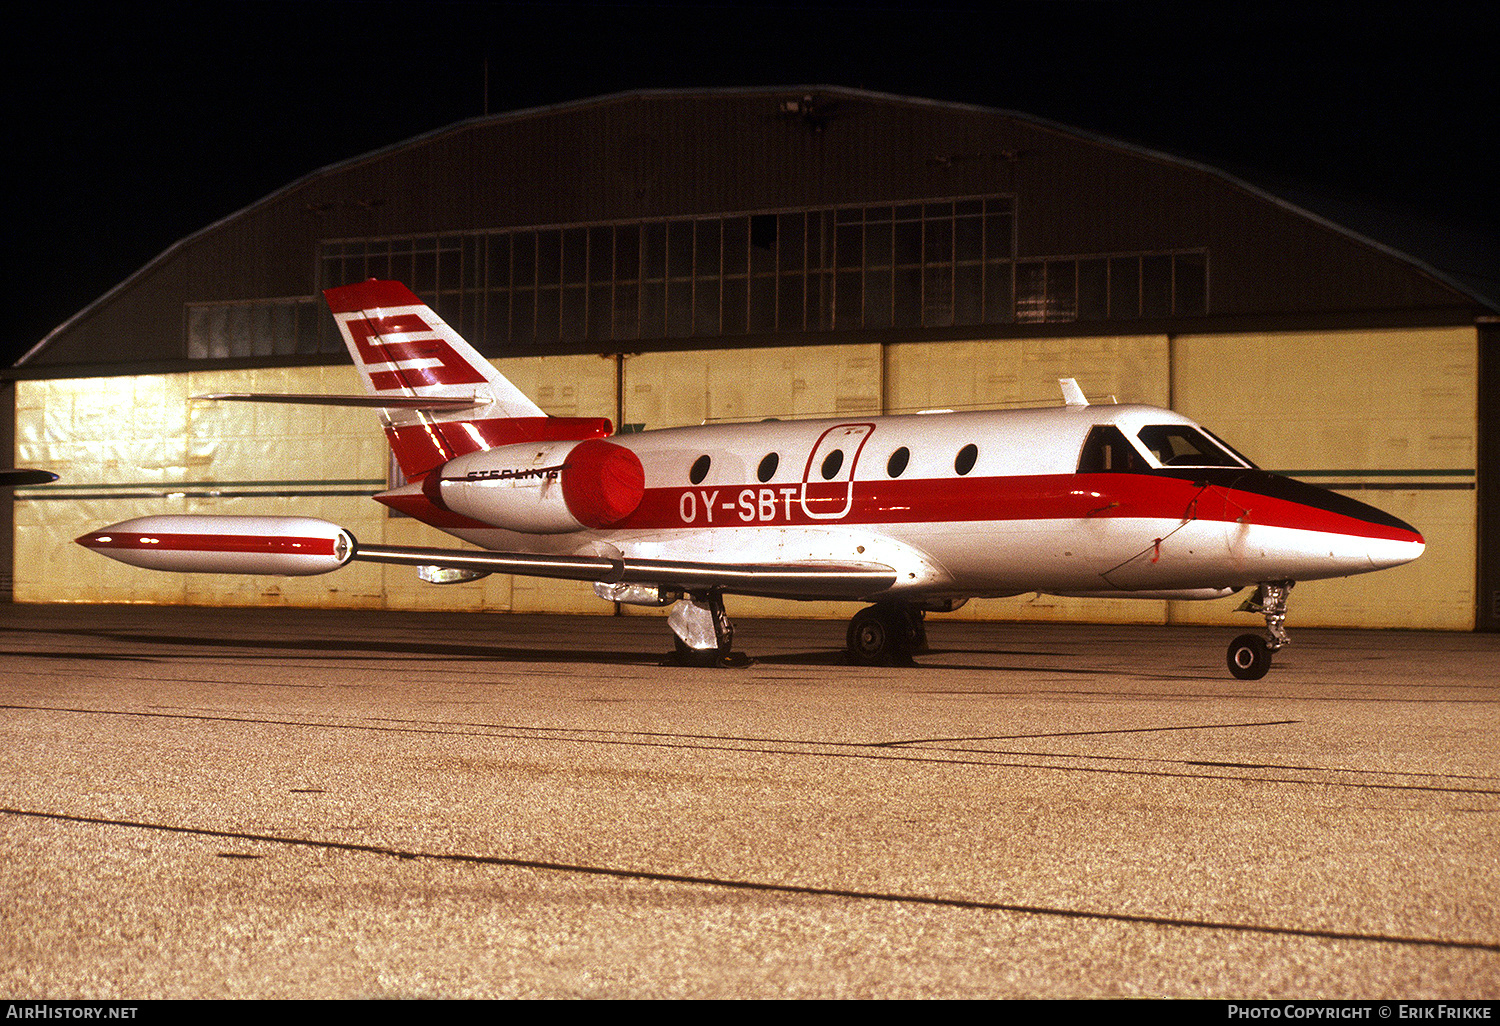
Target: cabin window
x,y
700,469
1176,445
831,464
1108,451
896,465
964,461
767,468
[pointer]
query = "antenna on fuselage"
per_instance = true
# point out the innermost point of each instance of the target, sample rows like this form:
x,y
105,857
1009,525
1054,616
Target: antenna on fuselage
x,y
1072,394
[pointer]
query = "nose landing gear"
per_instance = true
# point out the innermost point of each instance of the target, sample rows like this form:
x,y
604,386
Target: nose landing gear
x,y
1249,655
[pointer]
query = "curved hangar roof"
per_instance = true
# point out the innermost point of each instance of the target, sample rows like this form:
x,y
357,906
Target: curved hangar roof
x,y
1079,209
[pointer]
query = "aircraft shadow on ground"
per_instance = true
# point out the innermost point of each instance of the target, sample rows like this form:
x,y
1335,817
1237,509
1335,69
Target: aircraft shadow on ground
x,y
332,649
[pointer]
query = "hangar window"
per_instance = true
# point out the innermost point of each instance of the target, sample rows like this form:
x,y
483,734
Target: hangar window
x,y
699,470
267,327
1156,286
1093,290
763,231
767,468
1112,287
935,263
1176,445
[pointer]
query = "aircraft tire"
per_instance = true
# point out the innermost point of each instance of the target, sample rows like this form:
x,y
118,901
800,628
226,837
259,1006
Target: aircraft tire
x,y
883,635
869,638
1249,657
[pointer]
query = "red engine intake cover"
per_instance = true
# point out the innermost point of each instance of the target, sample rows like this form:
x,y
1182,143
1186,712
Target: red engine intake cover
x,y
602,483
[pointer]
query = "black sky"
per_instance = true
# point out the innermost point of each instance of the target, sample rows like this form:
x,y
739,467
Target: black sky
x,y
134,125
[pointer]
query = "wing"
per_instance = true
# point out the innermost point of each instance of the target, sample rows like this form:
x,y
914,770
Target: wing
x,y
801,580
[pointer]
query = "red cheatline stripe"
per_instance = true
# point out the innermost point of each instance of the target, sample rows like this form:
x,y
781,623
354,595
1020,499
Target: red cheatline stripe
x,y
998,499
209,543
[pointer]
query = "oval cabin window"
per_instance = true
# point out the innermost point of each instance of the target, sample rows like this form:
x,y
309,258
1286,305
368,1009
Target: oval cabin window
x,y
700,470
896,466
831,464
964,462
767,468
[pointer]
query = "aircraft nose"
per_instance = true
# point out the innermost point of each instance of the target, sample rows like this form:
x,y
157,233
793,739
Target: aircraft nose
x,y
1389,552
1390,541
1361,530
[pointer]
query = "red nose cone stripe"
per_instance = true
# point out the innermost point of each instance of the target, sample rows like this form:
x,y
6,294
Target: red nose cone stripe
x,y
105,540
602,483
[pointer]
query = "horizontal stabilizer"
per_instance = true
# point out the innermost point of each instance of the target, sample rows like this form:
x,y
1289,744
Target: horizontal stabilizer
x,y
371,402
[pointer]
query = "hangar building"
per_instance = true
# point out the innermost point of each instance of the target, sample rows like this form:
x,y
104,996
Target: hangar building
x,y
661,258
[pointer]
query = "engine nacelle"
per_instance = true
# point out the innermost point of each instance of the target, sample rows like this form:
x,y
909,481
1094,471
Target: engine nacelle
x,y
284,546
542,487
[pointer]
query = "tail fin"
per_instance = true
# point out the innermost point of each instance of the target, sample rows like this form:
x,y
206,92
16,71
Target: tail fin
x,y
404,351
402,348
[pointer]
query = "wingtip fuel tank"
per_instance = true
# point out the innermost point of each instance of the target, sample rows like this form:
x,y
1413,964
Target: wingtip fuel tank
x,y
279,546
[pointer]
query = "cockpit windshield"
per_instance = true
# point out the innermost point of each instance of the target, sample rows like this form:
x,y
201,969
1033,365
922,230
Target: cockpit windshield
x,y
1108,451
1177,445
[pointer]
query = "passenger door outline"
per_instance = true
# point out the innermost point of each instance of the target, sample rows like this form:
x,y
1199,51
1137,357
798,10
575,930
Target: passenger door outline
x,y
818,492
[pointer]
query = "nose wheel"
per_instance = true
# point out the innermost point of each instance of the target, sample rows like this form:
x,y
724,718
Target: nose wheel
x,y
1249,655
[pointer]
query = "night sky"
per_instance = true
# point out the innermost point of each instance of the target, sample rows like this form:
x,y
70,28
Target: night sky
x,y
134,125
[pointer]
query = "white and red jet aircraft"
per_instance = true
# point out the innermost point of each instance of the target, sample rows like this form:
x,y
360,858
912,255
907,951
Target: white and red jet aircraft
x,y
907,513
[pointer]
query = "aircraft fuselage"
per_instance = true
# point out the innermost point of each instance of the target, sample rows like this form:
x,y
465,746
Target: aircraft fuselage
x,y
959,504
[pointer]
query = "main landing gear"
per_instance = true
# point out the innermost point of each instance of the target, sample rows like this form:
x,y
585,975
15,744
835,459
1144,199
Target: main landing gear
x,y
886,634
1250,654
701,632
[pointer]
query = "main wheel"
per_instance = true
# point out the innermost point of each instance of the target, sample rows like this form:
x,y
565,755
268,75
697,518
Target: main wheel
x,y
918,631
883,635
871,638
1249,657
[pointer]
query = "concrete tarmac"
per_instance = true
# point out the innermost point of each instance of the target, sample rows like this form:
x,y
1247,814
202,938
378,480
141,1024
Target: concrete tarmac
x,y
305,803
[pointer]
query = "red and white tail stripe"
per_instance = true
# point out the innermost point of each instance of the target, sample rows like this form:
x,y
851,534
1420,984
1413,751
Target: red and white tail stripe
x,y
404,349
